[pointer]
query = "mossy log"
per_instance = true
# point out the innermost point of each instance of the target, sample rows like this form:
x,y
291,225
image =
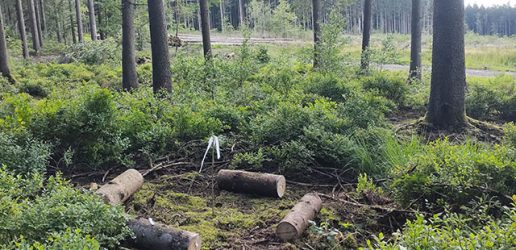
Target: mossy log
x,y
157,236
254,183
148,235
296,222
118,190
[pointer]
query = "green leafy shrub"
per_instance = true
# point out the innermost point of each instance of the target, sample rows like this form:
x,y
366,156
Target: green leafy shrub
x,y
451,231
262,55
454,175
327,85
34,90
481,101
33,209
391,87
93,52
59,241
23,155
492,99
86,126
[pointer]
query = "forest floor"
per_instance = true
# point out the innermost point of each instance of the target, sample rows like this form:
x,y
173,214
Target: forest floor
x,y
183,198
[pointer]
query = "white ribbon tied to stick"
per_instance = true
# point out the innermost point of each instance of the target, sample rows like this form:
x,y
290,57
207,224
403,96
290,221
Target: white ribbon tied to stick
x,y
212,142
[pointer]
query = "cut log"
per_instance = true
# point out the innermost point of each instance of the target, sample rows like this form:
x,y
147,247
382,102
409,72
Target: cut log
x,y
296,222
118,190
254,183
157,236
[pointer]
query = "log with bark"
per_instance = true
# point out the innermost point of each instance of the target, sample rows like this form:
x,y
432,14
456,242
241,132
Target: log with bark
x,y
118,190
156,236
148,235
296,222
254,183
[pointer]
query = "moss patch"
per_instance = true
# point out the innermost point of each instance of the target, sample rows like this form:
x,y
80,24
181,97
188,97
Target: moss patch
x,y
220,220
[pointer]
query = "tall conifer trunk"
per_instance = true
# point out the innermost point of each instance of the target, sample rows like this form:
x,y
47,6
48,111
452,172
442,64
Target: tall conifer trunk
x,y
21,28
161,75
415,42
446,107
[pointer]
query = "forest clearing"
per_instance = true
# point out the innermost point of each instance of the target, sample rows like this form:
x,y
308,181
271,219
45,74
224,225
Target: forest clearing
x,y
250,124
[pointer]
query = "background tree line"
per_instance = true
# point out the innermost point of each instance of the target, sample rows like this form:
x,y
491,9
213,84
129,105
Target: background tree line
x,y
285,18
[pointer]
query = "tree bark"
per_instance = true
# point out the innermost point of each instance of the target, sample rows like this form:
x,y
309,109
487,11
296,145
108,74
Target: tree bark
x,y
446,107
241,12
205,28
72,24
254,183
366,36
38,22
296,222
129,76
21,28
415,42
157,236
221,6
316,11
42,15
34,27
93,23
4,60
78,16
102,32
161,75
118,190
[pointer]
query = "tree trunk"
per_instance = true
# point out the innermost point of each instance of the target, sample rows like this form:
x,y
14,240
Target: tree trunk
x,y
4,60
72,24
78,16
118,190
34,27
58,29
102,32
366,36
316,11
129,76
93,23
21,28
221,6
415,42
205,28
254,183
241,12
42,15
161,75
38,22
157,236
296,222
446,105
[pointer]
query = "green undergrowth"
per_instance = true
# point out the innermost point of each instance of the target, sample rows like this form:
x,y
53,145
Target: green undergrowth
x,y
52,214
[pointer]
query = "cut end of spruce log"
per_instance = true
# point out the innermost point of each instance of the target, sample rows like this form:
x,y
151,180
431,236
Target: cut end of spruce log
x,y
118,190
157,236
296,222
253,183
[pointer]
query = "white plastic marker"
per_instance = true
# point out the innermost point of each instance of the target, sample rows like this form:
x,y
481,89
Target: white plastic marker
x,y
213,141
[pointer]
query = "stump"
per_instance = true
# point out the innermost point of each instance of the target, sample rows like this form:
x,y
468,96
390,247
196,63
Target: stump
x,y
157,236
296,222
254,183
118,190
